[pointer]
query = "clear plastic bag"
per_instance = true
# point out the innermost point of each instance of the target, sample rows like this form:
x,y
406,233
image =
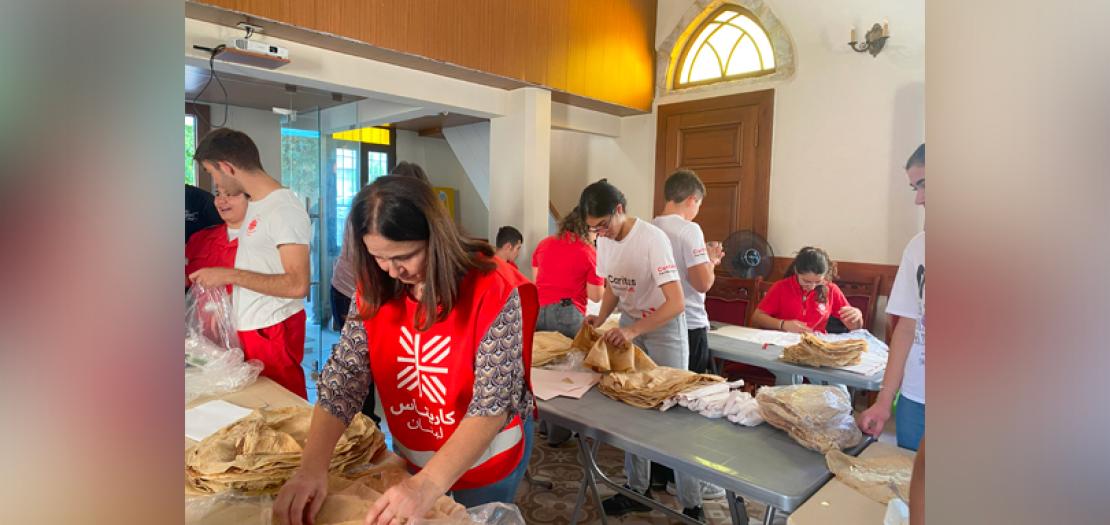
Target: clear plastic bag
x,y
817,417
496,514
214,362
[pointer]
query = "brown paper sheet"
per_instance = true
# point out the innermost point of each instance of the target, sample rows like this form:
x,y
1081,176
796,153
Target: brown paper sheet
x,y
877,477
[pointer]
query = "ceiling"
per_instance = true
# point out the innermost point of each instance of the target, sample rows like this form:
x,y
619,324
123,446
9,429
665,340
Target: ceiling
x,y
256,93
434,122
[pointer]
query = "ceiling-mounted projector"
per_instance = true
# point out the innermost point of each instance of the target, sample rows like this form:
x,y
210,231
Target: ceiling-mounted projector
x,y
254,53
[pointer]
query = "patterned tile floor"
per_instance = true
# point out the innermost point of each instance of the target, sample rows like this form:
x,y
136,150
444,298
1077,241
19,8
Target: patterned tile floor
x,y
560,465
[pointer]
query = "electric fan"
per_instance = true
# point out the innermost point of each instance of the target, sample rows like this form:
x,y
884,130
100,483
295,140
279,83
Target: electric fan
x,y
748,255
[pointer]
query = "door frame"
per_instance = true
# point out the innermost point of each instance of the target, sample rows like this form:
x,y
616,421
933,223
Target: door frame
x,y
765,99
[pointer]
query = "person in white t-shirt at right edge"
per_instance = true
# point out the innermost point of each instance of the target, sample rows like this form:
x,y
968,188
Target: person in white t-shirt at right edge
x,y
635,259
905,368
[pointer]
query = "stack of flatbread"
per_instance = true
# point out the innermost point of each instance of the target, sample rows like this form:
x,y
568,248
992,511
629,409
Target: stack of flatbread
x,y
648,389
549,346
604,357
347,503
817,417
258,453
812,351
876,477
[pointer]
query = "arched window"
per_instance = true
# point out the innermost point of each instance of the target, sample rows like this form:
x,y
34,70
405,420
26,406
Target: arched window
x,y
729,44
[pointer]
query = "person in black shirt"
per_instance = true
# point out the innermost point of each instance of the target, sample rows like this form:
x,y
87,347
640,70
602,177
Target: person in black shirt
x,y
200,211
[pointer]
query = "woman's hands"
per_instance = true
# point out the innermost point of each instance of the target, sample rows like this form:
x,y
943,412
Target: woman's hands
x,y
619,337
795,326
301,498
852,317
406,501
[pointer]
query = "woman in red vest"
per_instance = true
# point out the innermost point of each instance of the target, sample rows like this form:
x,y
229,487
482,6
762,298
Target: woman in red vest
x,y
446,330
215,246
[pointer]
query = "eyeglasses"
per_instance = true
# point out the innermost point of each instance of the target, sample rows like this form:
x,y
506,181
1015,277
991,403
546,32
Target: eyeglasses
x,y
601,226
919,185
816,283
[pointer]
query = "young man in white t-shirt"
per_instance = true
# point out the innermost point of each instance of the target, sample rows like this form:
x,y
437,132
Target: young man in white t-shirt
x,y
635,259
905,368
271,273
696,261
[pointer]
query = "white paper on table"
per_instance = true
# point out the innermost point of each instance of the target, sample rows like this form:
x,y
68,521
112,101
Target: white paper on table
x,y
757,336
547,384
204,420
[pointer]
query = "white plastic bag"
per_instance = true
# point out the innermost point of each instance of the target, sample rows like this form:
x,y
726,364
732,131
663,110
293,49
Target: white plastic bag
x,y
496,514
213,359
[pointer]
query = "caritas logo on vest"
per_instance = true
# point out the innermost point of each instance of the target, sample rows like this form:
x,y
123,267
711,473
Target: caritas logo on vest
x,y
421,376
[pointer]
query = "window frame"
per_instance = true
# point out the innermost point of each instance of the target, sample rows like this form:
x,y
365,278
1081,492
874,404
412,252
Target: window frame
x,y
202,114
390,151
692,36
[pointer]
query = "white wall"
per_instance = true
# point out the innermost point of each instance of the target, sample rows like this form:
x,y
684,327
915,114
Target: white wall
x,y
439,162
628,161
263,127
844,125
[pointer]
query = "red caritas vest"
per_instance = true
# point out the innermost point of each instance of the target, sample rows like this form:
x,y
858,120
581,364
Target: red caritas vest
x,y
426,379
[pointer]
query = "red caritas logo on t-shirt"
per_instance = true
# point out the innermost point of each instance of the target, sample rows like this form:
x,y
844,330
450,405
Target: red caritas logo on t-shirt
x,y
665,268
252,226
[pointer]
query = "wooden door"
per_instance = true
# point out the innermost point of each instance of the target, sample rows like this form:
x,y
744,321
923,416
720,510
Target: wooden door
x,y
727,142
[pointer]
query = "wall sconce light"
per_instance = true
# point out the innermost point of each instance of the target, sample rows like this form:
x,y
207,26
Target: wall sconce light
x,y
874,40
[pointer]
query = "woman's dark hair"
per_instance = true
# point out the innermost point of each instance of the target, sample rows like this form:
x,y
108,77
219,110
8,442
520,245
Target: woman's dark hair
x,y
917,158
574,225
600,199
817,261
228,145
405,208
410,169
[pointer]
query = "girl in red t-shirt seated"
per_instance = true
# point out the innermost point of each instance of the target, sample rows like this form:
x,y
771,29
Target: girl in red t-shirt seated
x,y
806,297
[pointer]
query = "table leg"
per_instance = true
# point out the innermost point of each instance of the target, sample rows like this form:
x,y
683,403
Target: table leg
x,y
769,516
736,508
586,480
591,476
595,474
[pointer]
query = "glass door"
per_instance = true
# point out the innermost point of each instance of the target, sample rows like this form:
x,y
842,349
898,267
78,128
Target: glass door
x,y
301,162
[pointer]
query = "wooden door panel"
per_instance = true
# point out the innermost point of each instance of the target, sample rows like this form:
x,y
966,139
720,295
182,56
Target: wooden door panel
x,y
719,213
727,142
709,146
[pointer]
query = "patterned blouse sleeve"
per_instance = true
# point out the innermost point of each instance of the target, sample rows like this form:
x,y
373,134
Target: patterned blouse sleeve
x,y
499,366
345,379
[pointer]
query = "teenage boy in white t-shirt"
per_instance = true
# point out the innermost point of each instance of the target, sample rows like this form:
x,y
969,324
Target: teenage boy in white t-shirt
x,y
684,192
270,277
635,259
905,367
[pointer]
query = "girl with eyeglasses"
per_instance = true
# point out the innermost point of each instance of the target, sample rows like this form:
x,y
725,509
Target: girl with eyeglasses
x,y
805,299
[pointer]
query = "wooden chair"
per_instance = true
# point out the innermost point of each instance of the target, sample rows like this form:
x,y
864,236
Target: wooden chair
x,y
761,289
863,295
730,300
753,376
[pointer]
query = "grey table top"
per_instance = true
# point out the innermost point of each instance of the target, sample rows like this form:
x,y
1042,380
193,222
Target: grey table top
x,y
762,463
754,354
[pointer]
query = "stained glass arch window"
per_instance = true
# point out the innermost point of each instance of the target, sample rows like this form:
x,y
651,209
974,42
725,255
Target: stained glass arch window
x,y
728,44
